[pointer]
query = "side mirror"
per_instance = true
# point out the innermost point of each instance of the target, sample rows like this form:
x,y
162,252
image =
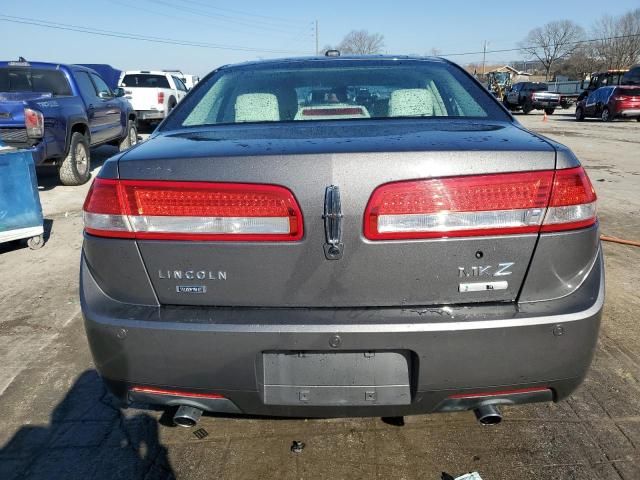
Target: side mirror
x,y
105,95
119,92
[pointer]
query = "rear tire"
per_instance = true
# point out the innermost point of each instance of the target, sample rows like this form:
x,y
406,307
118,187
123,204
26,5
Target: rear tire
x,y
606,115
549,111
75,169
579,114
172,105
131,138
526,108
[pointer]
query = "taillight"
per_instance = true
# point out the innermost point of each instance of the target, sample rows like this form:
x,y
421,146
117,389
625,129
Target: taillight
x,y
34,123
168,210
497,204
573,201
160,98
621,98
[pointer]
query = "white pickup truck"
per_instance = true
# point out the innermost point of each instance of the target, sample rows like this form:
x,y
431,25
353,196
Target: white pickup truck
x,y
153,94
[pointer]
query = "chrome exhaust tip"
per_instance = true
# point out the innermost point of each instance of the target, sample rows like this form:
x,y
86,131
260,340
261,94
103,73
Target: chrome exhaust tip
x,y
488,415
187,416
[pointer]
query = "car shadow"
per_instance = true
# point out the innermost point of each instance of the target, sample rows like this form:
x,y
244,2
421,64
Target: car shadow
x,y
88,437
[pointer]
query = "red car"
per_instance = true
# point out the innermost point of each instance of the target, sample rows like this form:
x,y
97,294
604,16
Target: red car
x,y
609,103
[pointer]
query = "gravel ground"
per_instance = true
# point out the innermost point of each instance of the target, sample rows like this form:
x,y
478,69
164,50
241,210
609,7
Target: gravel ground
x,y
60,423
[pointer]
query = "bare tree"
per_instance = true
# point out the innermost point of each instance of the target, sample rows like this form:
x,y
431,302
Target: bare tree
x,y
618,39
361,42
582,61
552,42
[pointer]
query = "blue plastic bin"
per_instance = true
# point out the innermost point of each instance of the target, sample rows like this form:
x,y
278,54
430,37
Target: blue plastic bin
x,y
20,209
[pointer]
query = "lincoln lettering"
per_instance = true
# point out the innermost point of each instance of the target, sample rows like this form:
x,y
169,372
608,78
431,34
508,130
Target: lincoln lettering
x,y
192,274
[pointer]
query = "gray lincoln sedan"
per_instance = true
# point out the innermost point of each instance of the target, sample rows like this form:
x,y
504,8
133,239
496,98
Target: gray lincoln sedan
x,y
341,236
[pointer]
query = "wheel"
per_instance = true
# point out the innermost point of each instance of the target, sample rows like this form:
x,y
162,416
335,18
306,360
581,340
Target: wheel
x,y
131,138
526,108
579,114
549,111
172,104
35,243
605,115
75,168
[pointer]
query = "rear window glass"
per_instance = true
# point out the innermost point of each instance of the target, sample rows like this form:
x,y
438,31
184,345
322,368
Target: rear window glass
x,y
539,87
34,80
629,92
334,91
144,80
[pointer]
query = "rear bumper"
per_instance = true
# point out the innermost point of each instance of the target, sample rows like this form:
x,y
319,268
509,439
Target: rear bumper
x,y
539,104
628,113
17,138
453,351
150,114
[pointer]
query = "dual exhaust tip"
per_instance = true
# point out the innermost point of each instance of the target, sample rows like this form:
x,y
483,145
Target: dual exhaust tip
x,y
488,414
187,416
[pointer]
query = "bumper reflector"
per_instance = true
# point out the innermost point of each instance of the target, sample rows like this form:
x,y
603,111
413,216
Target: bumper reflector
x,y
174,393
500,393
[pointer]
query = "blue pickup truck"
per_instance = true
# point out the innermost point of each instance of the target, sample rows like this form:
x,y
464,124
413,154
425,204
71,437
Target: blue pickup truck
x,y
59,112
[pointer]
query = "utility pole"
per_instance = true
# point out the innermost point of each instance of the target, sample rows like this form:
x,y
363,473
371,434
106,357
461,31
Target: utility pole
x,y
484,55
317,49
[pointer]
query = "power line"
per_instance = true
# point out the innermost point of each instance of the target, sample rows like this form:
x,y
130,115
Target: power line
x,y
213,22
132,36
254,24
528,47
246,14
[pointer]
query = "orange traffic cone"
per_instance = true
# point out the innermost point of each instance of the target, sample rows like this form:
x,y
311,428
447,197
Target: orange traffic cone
x,y
544,118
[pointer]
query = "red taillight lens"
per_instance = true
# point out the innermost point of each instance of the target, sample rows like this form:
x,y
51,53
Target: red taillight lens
x,y
459,206
573,201
34,123
167,210
498,204
160,97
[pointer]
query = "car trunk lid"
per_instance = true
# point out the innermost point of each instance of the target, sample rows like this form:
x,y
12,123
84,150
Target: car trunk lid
x,y
357,157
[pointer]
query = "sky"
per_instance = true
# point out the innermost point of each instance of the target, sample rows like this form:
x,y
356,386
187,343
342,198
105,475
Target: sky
x,y
253,29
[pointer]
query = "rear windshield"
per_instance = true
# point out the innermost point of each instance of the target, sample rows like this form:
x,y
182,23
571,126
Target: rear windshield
x,y
145,80
34,80
629,92
338,90
539,87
